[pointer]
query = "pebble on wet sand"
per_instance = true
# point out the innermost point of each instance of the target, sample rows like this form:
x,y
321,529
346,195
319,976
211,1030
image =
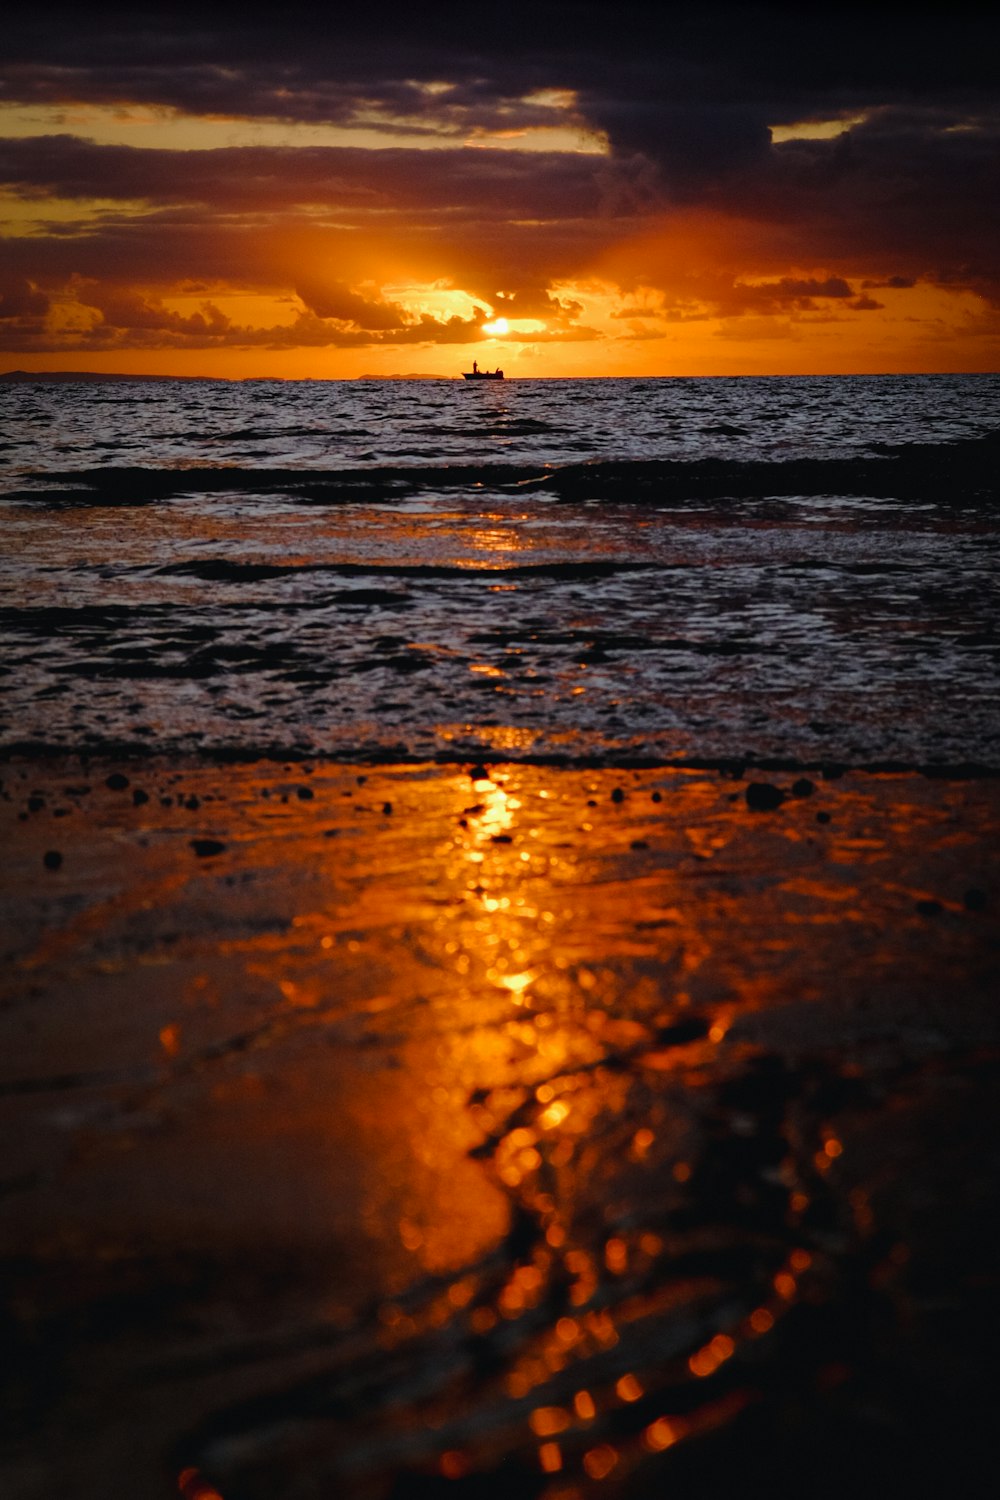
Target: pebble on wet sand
x,y
205,847
763,796
116,782
52,859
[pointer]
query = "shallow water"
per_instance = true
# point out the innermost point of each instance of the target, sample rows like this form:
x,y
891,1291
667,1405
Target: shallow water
x,y
408,570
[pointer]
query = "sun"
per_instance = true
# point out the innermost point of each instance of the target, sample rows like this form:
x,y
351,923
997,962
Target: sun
x,y
498,326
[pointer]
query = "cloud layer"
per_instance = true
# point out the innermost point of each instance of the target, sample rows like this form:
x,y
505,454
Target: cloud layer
x,y
734,164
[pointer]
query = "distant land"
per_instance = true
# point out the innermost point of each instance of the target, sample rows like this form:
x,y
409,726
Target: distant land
x,y
17,377
20,376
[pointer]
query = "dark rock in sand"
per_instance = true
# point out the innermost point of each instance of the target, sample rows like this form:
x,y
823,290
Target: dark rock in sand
x,y
803,787
763,796
479,772
387,809
304,793
139,797
618,795
52,859
657,797
678,1033
116,782
833,771
206,847
35,804
822,817
192,803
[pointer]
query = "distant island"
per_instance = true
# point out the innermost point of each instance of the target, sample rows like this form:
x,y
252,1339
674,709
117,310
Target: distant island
x,y
19,377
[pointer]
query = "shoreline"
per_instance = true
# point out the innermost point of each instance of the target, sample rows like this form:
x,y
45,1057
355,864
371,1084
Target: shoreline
x,y
497,1088
738,767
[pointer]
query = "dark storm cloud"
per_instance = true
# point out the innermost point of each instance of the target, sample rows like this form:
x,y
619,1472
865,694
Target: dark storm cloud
x,y
257,178
655,75
787,292
334,299
917,189
750,51
20,300
690,90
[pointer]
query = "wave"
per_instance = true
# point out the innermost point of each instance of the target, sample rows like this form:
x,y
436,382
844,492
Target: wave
x,y
595,755
221,570
963,471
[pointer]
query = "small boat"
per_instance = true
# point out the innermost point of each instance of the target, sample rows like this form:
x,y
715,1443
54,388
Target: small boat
x,y
477,374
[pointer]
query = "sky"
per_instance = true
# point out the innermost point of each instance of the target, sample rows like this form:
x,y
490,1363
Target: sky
x,y
586,189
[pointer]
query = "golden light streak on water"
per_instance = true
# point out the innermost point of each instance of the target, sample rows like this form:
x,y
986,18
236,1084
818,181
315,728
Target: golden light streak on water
x,y
600,1461
470,1075
662,1434
550,1458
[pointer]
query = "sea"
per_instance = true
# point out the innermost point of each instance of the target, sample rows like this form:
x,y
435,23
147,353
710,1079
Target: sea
x,y
759,570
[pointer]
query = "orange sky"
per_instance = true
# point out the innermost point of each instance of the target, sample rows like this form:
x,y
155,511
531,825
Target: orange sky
x,y
407,215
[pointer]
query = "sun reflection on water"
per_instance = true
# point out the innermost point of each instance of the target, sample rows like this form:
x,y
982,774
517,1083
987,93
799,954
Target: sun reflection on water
x,y
490,1049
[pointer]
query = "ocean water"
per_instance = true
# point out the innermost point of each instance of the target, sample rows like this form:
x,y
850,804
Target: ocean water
x,y
667,570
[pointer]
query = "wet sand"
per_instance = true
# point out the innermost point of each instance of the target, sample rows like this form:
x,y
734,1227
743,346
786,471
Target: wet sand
x,y
403,1131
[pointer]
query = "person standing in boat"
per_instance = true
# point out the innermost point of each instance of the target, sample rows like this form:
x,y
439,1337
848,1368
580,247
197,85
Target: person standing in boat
x,y
475,368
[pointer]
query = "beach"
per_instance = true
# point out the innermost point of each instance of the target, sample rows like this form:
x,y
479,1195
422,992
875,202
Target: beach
x,y
500,945
374,1129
